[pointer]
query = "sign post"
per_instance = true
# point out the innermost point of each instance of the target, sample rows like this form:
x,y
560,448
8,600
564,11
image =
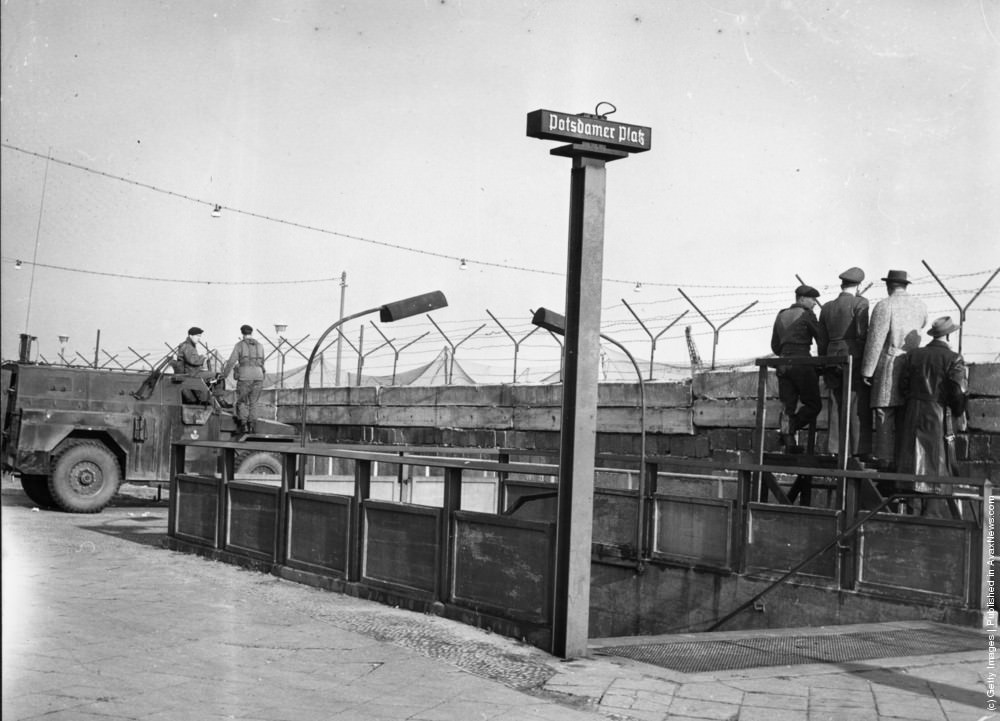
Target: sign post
x,y
594,141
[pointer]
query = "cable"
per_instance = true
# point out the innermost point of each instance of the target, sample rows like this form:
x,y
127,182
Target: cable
x,y
168,280
303,226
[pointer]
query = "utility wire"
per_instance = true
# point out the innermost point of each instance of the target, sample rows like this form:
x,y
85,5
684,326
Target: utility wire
x,y
303,226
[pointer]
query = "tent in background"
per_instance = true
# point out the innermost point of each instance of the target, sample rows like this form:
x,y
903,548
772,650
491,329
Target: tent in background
x,y
435,373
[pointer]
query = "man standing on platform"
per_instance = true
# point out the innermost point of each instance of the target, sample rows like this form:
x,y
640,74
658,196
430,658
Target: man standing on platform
x,y
933,385
795,328
845,319
893,331
248,359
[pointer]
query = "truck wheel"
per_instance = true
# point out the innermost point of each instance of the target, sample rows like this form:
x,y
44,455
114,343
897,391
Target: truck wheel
x,y
37,489
259,464
85,478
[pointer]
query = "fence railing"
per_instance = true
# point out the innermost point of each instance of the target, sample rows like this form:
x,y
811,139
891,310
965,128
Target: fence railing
x,y
475,535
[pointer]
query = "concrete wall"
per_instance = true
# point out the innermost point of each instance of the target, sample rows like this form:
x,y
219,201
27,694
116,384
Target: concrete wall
x,y
712,414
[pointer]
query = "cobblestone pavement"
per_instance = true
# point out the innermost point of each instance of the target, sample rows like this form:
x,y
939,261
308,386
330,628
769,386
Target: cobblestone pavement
x,y
101,622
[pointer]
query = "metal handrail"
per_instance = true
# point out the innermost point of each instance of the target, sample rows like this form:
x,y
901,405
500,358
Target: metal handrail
x,y
813,556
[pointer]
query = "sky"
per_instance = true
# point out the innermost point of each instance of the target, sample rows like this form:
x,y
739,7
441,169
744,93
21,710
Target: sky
x,y
386,140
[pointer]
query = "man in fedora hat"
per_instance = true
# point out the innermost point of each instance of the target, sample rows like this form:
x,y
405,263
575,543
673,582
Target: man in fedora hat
x,y
793,334
845,319
248,360
893,331
933,384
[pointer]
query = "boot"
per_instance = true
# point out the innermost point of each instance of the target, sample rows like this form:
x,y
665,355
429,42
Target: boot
x,y
251,427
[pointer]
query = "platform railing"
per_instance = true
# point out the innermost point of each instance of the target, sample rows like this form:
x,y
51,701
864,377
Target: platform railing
x,y
491,566
712,516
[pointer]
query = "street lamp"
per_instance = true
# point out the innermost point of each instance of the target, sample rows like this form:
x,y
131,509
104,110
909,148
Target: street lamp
x,y
388,313
556,323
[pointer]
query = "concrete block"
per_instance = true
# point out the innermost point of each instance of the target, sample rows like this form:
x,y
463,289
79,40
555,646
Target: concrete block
x,y
658,395
337,415
984,379
977,447
342,396
734,413
536,395
689,446
537,419
984,414
731,384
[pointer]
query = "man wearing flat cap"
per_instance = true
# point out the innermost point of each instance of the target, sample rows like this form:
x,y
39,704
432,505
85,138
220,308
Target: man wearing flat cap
x,y
845,319
191,363
933,384
893,331
248,360
794,331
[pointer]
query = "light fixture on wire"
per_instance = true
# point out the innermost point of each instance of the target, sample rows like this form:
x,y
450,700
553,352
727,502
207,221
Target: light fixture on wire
x,y
17,265
217,211
463,265
638,288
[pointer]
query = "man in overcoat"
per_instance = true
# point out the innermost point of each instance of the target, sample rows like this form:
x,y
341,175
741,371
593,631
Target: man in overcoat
x,y
845,319
893,331
795,329
933,385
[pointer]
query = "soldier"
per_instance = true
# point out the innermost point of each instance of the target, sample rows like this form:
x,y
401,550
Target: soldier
x,y
893,331
795,328
248,359
845,319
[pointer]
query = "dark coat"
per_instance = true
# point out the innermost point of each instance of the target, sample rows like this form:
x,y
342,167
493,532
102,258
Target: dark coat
x,y
794,330
846,321
933,380
191,361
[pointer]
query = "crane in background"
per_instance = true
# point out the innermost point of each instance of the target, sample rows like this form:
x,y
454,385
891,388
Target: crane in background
x,y
696,365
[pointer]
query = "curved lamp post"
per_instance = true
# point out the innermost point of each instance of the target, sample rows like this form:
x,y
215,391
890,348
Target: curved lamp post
x,y
387,314
556,323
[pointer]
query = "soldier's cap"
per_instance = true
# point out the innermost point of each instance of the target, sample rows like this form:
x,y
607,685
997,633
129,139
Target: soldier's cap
x,y
806,291
896,276
942,326
246,330
852,275
195,330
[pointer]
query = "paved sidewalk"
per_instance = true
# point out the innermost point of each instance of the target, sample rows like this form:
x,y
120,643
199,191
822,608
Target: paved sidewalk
x,y
101,622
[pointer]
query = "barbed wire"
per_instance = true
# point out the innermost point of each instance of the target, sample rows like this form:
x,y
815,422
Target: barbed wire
x,y
215,206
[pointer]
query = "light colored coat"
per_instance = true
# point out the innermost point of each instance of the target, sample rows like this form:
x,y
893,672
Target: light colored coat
x,y
894,330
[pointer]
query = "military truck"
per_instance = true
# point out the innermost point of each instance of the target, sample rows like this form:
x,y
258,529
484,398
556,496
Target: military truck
x,y
75,434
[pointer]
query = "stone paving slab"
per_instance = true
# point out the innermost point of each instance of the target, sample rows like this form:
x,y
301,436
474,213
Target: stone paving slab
x,y
101,622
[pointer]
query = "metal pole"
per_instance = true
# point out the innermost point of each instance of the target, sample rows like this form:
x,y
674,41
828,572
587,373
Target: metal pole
x,y
639,523
340,338
652,338
38,234
961,310
578,438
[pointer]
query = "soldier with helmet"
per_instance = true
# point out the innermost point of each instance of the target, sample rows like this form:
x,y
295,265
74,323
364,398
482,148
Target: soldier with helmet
x,y
247,359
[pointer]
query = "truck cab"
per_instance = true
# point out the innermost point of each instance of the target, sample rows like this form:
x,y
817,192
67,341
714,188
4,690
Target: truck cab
x,y
75,434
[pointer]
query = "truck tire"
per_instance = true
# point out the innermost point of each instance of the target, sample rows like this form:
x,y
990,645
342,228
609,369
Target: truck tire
x,y
36,488
85,477
259,464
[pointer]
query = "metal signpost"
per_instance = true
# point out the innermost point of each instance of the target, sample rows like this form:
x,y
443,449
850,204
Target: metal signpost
x,y
594,141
